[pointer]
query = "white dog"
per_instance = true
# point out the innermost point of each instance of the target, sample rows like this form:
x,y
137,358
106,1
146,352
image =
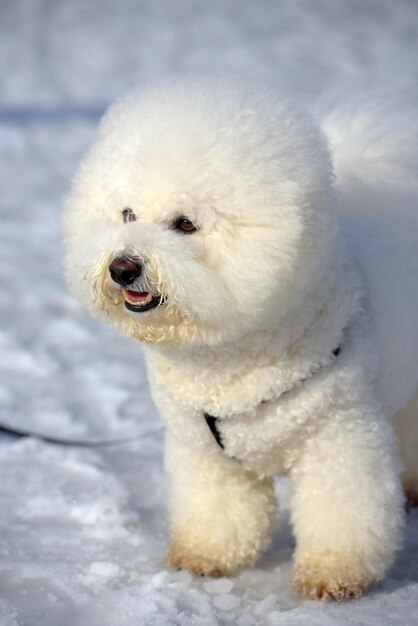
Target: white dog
x,y
278,313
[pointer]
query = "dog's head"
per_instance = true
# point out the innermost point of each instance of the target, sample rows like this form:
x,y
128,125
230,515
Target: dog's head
x,y
200,213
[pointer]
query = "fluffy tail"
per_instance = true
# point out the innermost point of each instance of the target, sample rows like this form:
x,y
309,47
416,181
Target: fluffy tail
x,y
375,148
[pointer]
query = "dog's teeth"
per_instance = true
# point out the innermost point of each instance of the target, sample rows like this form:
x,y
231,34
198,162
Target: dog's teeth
x,y
139,302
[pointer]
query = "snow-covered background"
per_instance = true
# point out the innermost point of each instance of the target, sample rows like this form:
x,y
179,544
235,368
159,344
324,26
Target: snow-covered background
x,y
83,532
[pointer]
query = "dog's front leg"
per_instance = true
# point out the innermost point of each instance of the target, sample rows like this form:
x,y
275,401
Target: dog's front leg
x,y
222,516
346,505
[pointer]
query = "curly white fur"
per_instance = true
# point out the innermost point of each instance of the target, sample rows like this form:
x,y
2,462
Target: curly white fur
x,y
285,267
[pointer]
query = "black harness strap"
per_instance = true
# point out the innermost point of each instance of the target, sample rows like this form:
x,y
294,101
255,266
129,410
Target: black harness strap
x,y
211,421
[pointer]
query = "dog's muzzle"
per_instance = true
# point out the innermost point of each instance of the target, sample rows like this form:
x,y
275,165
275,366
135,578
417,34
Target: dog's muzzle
x,y
124,271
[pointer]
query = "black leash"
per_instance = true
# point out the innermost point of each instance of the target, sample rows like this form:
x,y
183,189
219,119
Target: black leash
x,y
76,443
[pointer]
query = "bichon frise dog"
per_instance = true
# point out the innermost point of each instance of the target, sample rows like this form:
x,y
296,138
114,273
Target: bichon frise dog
x,y
278,312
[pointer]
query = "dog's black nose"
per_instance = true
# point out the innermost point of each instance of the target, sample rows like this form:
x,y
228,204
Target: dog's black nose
x,y
124,271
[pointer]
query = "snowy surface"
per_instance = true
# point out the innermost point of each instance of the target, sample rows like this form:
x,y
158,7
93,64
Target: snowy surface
x,y
83,532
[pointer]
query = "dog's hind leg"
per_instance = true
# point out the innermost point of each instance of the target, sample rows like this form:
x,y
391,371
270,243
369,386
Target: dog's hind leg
x,y
406,425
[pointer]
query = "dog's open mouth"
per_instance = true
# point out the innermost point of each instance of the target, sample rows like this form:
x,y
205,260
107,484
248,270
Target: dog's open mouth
x,y
141,301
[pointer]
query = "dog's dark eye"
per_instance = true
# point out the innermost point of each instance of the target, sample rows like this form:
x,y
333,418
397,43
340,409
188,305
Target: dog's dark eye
x,y
128,215
183,225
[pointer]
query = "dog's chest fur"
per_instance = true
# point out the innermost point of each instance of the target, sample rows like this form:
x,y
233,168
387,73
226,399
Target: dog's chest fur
x,y
255,391
234,380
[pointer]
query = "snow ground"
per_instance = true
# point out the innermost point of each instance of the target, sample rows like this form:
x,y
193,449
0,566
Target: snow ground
x,y
83,531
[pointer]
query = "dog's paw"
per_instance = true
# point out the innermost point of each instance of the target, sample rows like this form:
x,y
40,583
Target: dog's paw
x,y
204,556
200,563
323,577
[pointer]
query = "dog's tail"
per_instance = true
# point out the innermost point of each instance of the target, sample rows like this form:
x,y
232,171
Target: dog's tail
x,y
374,142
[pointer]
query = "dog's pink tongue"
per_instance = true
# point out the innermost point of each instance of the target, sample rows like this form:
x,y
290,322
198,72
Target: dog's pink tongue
x,y
137,296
